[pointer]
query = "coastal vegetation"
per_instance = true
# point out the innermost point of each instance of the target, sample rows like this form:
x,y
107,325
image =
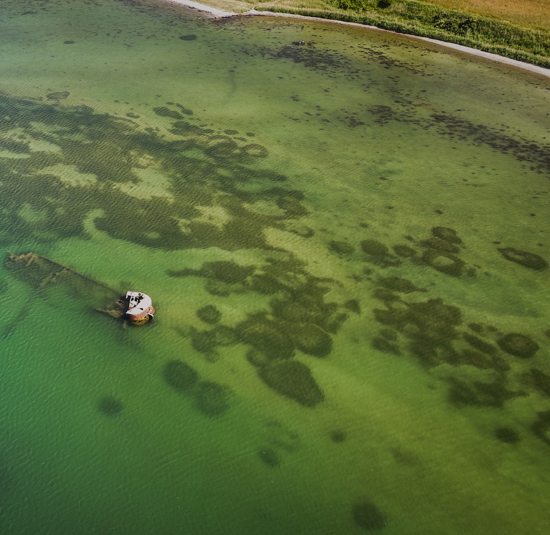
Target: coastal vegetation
x,y
521,33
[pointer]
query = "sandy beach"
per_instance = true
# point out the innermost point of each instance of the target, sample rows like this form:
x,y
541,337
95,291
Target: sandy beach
x,y
206,9
218,13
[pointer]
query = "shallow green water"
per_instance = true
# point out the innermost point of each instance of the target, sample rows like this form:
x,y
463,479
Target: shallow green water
x,y
306,192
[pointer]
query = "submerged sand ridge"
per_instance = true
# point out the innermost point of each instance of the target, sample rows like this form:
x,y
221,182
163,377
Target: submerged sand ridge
x,y
342,337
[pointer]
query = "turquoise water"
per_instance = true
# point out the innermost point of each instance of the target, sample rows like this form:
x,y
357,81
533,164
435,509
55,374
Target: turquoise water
x,y
339,238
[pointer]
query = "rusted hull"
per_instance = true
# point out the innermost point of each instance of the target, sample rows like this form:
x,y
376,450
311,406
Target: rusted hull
x,y
116,310
143,317
42,272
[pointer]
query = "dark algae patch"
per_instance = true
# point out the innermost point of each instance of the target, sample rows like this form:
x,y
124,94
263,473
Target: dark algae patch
x,y
180,376
311,339
399,285
212,399
222,271
541,426
267,337
269,457
538,379
109,406
341,247
113,150
204,342
519,345
507,435
480,344
338,436
523,258
368,516
294,380
299,317
209,314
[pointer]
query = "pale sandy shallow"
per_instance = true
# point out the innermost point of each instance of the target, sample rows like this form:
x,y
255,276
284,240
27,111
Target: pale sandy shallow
x,y
494,57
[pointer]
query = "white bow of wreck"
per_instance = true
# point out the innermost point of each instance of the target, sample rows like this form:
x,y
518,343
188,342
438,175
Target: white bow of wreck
x,y
140,306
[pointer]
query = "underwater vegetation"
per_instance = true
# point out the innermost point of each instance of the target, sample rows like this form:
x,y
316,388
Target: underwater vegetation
x,y
222,199
538,379
211,398
457,128
267,337
109,406
523,258
507,435
432,331
440,252
222,173
272,353
444,262
311,339
209,314
341,248
269,457
480,344
179,376
518,345
385,346
112,150
379,254
400,285
404,251
204,342
292,379
448,235
338,436
541,426
428,329
481,394
218,189
298,319
280,442
368,517
207,341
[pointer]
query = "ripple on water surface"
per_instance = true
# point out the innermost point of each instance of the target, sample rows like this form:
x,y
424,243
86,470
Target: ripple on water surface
x,y
345,241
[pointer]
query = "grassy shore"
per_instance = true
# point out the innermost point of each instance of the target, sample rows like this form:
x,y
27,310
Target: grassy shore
x,y
517,30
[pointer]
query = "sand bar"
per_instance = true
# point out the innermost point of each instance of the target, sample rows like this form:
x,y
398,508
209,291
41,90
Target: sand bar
x,y
487,55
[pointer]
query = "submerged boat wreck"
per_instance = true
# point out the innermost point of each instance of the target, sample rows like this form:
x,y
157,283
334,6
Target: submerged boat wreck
x,y
132,308
140,307
42,273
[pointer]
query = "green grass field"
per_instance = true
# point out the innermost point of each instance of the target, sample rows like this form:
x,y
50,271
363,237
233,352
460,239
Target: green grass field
x,y
529,13
518,30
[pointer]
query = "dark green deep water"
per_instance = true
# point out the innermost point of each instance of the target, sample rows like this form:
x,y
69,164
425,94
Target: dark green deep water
x,y
367,220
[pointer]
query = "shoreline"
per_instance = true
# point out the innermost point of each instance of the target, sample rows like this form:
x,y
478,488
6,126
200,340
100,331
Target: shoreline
x,y
218,13
201,8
